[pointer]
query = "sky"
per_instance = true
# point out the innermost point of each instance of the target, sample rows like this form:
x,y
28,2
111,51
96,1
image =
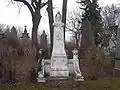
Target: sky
x,y
9,14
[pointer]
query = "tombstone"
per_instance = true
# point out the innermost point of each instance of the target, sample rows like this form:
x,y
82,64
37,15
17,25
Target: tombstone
x,y
12,36
59,67
43,43
116,71
25,34
25,39
43,40
13,33
87,39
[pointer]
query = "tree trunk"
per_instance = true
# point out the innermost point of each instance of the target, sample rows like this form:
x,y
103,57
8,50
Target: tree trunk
x,y
36,20
76,41
51,20
64,11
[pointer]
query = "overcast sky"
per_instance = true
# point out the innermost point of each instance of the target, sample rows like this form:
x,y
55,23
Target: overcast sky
x,y
10,14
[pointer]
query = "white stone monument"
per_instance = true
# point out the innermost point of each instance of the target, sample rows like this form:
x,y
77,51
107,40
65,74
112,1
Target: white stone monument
x,y
59,66
59,61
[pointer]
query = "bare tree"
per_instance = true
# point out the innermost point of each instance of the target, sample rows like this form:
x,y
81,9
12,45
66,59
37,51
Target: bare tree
x,y
111,15
74,25
51,20
2,27
34,7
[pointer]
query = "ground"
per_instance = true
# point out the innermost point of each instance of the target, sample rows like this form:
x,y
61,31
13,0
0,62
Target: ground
x,y
102,84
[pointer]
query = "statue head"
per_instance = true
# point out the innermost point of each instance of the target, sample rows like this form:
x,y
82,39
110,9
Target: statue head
x,y
58,17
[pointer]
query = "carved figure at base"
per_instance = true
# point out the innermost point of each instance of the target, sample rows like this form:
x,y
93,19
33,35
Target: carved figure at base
x,y
78,75
41,72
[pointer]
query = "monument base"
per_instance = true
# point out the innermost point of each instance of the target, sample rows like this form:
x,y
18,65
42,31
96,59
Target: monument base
x,y
80,78
59,66
42,79
59,73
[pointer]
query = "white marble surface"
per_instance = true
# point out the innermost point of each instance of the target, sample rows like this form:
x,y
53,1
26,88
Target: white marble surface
x,y
59,61
77,71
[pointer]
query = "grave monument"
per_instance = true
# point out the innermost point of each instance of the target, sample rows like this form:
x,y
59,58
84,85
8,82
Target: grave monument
x,y
59,66
44,44
116,70
87,39
25,39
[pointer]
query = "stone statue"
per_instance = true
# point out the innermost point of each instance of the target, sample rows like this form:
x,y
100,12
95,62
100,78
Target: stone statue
x,y
59,61
58,17
77,71
41,73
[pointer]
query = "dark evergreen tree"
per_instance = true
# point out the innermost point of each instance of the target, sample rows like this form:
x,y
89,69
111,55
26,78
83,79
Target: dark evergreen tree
x,y
91,11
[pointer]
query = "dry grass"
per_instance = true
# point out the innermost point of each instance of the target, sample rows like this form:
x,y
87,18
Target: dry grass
x,y
103,84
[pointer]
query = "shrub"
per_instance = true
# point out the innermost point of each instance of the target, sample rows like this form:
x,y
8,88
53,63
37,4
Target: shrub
x,y
96,65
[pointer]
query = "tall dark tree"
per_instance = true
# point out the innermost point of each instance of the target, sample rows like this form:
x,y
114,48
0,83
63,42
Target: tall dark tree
x,y
51,20
91,11
64,12
34,7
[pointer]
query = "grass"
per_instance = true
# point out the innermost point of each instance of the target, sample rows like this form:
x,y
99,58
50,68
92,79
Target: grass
x,y
103,84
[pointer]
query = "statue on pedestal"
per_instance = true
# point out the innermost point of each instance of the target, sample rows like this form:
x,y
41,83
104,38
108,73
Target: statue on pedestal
x,y
76,66
59,66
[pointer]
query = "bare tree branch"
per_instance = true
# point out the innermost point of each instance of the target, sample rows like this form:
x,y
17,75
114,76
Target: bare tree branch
x,y
27,4
43,4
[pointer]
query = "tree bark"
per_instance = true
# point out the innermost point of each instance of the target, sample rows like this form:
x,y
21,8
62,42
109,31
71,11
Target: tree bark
x,y
64,11
36,20
51,20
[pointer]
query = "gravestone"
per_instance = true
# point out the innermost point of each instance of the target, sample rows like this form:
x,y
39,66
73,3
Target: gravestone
x,y
59,67
43,40
43,44
117,56
87,39
25,39
25,34
13,33
12,37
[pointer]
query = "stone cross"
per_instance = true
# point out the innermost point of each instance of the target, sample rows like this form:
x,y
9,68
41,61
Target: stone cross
x,y
87,39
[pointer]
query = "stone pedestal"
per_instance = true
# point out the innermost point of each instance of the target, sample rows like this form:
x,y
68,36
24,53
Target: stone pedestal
x,y
59,67
41,77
